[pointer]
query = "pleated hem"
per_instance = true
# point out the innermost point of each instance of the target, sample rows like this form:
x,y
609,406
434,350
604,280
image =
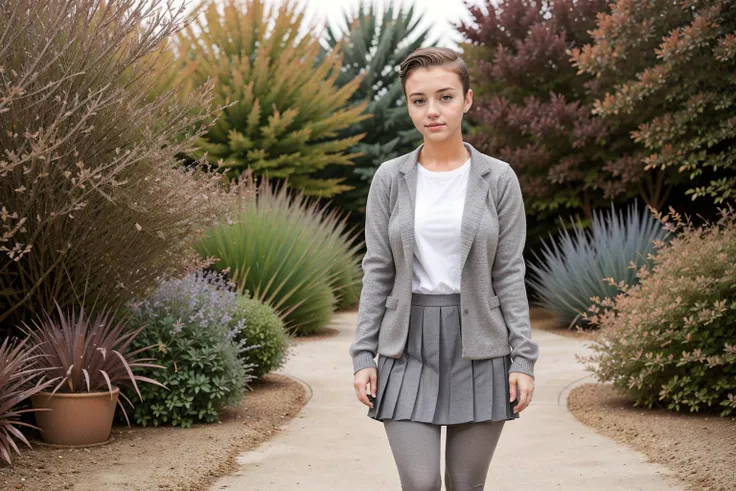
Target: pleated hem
x,y
432,383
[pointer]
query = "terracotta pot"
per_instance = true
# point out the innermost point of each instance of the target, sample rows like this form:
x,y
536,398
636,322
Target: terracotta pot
x,y
75,419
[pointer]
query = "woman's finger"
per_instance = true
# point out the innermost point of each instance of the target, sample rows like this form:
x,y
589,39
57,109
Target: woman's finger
x,y
360,384
527,397
523,403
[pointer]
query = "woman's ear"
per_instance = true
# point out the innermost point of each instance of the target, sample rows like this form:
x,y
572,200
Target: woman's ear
x,y
468,101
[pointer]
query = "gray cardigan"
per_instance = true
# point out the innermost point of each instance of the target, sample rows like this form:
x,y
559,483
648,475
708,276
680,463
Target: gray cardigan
x,y
493,300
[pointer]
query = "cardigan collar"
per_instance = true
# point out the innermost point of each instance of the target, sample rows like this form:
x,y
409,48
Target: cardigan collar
x,y
473,206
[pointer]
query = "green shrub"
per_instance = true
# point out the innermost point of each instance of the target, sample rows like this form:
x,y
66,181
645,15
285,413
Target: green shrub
x,y
671,339
288,252
190,320
574,269
346,270
373,45
264,332
288,114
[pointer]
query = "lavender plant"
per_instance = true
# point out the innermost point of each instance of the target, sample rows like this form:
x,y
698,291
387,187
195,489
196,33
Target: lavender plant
x,y
204,297
191,321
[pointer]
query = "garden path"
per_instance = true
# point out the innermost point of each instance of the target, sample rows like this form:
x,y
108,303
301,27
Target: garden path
x,y
333,446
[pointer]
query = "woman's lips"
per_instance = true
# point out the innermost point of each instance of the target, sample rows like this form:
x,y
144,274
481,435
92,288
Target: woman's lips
x,y
436,127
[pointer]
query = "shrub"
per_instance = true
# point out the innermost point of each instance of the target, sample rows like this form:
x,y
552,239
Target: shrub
x,y
263,330
87,354
663,70
91,192
287,112
190,320
373,45
18,373
574,269
530,107
288,252
670,340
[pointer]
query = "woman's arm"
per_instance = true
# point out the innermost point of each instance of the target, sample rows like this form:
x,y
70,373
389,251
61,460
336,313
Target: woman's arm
x,y
508,274
378,273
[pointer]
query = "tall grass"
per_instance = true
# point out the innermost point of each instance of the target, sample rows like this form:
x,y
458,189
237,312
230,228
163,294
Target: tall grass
x,y
289,253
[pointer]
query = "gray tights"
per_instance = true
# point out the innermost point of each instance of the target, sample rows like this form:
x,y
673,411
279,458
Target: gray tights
x,y
469,448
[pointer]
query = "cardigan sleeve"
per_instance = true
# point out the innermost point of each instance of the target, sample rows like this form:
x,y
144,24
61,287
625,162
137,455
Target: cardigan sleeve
x,y
378,274
508,274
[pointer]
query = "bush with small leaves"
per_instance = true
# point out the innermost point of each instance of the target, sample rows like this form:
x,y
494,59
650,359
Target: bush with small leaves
x,y
263,330
670,340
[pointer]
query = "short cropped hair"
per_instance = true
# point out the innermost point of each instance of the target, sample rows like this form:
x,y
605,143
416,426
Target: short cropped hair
x,y
435,56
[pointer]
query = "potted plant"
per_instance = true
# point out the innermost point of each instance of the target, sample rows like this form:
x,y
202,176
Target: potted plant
x,y
89,358
17,375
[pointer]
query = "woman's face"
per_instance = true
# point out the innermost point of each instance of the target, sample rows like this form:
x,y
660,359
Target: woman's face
x,y
435,97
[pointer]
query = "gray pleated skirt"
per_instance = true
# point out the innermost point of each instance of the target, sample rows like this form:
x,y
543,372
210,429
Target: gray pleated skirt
x,y
431,382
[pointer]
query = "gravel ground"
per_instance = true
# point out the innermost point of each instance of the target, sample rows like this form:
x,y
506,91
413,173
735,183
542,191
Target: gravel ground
x,y
700,449
162,458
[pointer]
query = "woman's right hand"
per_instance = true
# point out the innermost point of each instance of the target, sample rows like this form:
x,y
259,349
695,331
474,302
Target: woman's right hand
x,y
362,379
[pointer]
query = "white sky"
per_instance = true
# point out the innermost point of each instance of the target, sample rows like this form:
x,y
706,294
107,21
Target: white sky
x,y
436,13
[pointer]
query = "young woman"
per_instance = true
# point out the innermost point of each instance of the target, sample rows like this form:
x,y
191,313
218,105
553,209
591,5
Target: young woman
x,y
443,301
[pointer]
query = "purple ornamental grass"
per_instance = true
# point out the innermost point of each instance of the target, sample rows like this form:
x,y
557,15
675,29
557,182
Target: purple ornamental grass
x,y
89,354
17,372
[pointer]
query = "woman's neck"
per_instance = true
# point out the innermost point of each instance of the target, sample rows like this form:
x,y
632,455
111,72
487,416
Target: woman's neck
x,y
445,155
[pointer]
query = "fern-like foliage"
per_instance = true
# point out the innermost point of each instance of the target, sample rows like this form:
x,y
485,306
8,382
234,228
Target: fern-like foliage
x,y
283,109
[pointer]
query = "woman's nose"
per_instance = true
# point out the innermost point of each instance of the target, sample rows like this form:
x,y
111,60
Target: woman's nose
x,y
432,109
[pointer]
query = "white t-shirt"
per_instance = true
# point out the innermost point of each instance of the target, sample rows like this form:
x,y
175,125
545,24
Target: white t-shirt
x,y
440,199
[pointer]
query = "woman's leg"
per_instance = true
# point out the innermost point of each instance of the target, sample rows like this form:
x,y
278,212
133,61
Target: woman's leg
x,y
468,452
416,449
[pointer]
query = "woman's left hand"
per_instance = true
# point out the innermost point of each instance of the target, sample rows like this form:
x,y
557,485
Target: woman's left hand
x,y
525,389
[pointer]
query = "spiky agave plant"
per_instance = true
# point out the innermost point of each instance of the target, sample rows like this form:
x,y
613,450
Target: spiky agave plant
x,y
89,354
18,371
574,269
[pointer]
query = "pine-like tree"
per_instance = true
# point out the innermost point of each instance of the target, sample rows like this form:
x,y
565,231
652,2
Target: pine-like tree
x,y
667,70
284,108
375,50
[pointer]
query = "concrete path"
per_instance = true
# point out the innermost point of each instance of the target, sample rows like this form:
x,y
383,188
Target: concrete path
x,y
333,445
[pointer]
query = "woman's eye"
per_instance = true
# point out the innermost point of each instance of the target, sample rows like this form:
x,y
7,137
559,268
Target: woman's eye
x,y
417,101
